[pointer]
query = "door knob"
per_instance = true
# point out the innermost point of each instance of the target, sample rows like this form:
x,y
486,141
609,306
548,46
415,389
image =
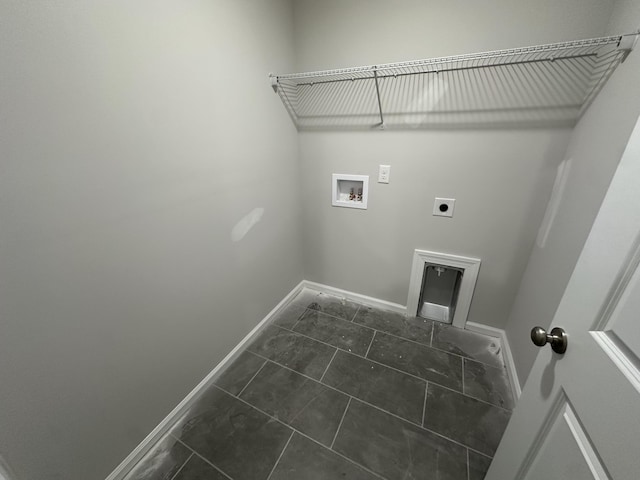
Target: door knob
x,y
557,338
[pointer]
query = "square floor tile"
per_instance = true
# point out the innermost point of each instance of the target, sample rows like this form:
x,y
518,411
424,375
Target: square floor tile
x,y
417,329
487,383
329,304
478,466
235,437
306,405
420,360
396,449
468,344
381,386
334,331
293,351
464,419
162,461
197,469
289,316
306,460
238,374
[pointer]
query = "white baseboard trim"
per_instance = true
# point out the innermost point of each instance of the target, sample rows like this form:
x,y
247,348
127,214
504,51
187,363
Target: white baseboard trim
x,y
356,297
163,427
506,353
485,329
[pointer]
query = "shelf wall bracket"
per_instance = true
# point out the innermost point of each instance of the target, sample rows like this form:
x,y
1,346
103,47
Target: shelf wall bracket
x,y
375,77
274,82
627,44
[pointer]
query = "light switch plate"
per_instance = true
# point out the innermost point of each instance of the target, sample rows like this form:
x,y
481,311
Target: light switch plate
x,y
443,207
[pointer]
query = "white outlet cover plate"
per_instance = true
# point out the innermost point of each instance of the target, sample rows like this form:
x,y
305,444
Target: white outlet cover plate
x,y
384,172
446,204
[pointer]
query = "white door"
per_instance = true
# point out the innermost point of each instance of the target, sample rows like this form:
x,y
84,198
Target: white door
x,y
579,413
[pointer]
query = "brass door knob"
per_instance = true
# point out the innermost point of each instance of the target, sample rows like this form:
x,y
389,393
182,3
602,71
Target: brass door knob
x,y
557,338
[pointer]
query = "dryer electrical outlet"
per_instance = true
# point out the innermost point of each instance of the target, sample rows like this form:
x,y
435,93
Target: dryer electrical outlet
x,y
443,207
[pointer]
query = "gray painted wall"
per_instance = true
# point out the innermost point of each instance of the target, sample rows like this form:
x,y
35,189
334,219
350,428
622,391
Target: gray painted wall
x,y
501,179
347,33
596,146
133,137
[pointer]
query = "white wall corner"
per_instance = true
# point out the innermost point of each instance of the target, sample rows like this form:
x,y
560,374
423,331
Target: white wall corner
x,y
507,354
163,427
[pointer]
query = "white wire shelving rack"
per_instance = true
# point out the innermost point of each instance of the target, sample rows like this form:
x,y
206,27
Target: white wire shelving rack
x,y
531,86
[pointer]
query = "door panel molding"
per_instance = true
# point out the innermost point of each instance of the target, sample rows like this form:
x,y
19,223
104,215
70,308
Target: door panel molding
x,y
624,277
561,413
625,360
593,460
536,446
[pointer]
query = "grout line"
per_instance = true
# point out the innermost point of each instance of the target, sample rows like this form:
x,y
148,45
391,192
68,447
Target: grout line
x,y
377,475
299,432
462,376
468,468
393,368
307,309
333,317
282,453
474,398
453,354
503,368
430,345
329,315
344,414
318,293
255,408
321,341
252,378
370,343
201,457
328,365
417,425
480,453
424,406
302,315
345,351
366,403
356,314
182,466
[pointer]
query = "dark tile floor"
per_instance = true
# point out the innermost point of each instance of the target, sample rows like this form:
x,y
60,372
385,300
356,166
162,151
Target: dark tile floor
x,y
337,390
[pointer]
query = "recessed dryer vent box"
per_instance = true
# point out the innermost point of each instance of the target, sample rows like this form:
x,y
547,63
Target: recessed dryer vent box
x,y
351,191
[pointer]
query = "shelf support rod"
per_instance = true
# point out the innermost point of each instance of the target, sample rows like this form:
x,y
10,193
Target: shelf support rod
x,y
375,77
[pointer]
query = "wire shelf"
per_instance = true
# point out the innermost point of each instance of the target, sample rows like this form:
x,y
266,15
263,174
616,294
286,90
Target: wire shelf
x,y
531,86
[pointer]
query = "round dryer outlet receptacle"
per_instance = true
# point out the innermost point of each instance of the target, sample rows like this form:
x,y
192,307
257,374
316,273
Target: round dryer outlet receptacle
x,y
443,207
